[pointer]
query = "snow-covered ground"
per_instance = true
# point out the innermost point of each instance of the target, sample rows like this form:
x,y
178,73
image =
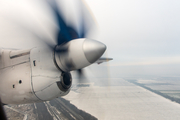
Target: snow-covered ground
x,y
123,102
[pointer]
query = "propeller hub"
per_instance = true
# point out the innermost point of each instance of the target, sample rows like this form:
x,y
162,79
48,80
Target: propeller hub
x,y
78,53
93,50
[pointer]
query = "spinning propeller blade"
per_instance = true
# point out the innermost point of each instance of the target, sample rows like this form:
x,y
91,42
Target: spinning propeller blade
x,y
66,32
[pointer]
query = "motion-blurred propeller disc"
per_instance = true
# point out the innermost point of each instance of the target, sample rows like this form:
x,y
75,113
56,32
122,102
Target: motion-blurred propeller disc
x,y
67,32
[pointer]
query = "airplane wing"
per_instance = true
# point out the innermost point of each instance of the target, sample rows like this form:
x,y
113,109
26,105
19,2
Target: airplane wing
x,y
102,59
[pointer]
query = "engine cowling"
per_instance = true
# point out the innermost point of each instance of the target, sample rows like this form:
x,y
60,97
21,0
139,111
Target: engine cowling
x,y
48,82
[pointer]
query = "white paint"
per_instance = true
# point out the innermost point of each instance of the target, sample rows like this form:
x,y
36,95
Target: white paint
x,y
3,94
21,92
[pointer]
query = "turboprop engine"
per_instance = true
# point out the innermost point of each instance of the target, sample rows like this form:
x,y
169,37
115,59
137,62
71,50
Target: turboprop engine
x,y
41,74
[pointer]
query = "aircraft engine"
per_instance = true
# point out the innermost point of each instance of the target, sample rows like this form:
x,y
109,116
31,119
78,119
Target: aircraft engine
x,y
40,74
43,73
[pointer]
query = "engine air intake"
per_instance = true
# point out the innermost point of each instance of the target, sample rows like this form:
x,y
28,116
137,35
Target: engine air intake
x,y
65,82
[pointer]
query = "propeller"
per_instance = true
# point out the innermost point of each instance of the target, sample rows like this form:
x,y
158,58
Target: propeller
x,y
67,32
72,50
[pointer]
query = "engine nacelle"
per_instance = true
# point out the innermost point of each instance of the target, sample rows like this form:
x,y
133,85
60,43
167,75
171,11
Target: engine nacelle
x,y
28,76
48,82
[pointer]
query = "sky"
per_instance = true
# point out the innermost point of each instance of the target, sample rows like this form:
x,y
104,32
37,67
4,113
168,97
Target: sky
x,y
142,36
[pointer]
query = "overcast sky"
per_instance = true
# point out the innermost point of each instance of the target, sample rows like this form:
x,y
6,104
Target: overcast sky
x,y
143,36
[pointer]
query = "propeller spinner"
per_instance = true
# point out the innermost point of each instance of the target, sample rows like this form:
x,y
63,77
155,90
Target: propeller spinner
x,y
81,53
